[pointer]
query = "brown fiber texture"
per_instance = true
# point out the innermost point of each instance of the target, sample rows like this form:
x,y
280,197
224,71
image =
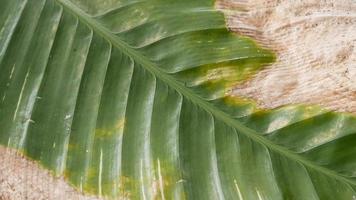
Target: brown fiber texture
x,y
21,178
315,42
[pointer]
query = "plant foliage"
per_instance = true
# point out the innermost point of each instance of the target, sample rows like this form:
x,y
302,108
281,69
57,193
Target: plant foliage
x,y
131,99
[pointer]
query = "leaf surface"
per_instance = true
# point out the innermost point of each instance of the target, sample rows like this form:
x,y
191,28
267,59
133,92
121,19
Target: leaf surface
x,y
131,99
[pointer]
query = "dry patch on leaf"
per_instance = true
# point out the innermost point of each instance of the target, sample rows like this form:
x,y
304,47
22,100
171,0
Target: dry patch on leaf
x,y
21,178
315,42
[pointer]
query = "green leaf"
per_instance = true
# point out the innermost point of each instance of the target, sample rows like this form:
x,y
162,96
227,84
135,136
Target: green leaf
x,y
131,99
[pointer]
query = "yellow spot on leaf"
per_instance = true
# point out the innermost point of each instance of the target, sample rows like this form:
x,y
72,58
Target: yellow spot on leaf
x,y
117,129
120,124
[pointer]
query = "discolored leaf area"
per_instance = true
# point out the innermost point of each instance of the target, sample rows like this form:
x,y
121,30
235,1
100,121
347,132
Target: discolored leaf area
x,y
131,99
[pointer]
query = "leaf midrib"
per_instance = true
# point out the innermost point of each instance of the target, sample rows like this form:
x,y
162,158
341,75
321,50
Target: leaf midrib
x,y
189,94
